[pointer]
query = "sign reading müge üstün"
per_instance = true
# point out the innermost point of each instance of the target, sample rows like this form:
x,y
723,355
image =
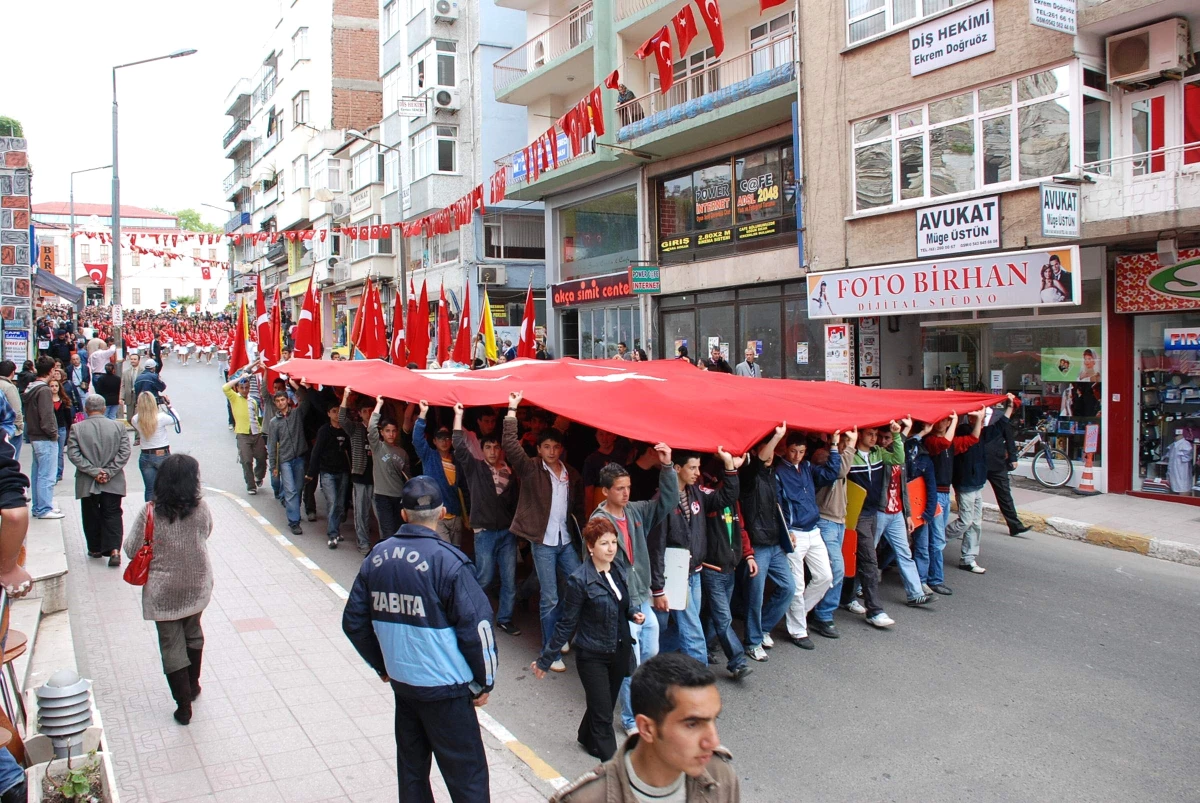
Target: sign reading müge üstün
x,y
957,228
965,34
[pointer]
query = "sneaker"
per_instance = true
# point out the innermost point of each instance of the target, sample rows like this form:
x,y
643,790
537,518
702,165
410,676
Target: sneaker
x,y
767,641
943,589
231,427
295,528
566,650
53,514
312,516
509,628
757,653
740,673
804,643
856,607
826,629
925,589
917,602
881,620
333,543
252,491
973,568
260,481
558,666
364,550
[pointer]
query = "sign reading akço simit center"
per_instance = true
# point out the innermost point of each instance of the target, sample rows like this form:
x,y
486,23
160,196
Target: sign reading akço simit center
x,y
1017,279
592,289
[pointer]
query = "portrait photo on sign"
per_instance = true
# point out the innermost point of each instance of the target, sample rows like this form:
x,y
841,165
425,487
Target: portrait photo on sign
x,y
1071,364
21,287
8,313
23,317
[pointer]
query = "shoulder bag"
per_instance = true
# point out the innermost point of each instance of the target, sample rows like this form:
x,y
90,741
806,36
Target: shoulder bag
x,y
138,570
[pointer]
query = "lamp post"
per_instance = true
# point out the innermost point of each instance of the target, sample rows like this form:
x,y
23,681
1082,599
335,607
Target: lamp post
x,y
116,193
73,174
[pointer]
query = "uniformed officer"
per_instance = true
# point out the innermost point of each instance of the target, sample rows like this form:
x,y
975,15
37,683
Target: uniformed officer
x,y
417,615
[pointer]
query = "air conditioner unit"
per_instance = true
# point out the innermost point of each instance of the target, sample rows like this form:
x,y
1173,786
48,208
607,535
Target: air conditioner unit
x,y
341,209
445,10
1146,53
492,274
447,100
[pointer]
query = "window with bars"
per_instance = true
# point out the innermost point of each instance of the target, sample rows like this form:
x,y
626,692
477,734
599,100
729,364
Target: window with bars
x,y
514,237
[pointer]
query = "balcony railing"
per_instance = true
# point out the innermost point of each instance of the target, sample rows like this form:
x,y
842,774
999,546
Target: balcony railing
x,y
1161,180
238,127
627,8
561,37
236,221
239,174
728,72
516,171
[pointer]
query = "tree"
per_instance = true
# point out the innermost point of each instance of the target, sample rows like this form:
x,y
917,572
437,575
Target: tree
x,y
189,220
11,127
186,301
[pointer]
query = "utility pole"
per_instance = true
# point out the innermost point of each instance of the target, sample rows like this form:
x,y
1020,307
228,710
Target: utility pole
x,y
73,174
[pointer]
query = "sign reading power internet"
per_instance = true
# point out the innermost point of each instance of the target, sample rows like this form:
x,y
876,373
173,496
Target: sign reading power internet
x,y
956,37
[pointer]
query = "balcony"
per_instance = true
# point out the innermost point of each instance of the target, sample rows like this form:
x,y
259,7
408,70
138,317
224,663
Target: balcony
x,y
628,8
240,125
565,46
277,253
1161,181
238,97
238,220
705,107
267,196
236,181
570,171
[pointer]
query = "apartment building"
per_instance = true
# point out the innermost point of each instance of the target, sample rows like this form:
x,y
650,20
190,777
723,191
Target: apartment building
x,y
990,189
148,281
699,181
315,78
444,131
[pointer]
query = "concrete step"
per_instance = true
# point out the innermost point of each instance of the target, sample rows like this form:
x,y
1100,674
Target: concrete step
x,y
46,562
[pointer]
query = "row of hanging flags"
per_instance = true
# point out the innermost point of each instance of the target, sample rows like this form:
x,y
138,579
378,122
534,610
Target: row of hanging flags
x,y
368,334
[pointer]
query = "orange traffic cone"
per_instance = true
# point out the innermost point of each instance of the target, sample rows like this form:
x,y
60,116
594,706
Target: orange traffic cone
x,y
1087,485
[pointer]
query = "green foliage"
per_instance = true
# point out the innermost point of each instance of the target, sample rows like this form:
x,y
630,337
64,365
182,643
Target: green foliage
x,y
189,220
187,301
11,127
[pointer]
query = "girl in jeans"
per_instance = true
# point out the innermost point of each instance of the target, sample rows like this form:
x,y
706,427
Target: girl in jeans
x,y
64,414
154,424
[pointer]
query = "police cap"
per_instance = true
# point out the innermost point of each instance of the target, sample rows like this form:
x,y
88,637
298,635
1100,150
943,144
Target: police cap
x,y
421,493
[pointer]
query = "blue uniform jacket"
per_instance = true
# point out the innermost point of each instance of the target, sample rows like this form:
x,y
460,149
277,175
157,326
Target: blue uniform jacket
x,y
417,614
797,489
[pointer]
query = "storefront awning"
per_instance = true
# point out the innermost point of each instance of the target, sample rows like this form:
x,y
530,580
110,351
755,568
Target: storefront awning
x,y
298,288
52,284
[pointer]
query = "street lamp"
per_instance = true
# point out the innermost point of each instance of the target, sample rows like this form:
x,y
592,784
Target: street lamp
x,y
73,174
116,192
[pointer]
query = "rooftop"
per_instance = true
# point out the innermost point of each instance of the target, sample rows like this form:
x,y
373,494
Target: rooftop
x,y
101,210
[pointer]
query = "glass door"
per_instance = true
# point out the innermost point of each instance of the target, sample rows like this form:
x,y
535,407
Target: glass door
x,y
1148,130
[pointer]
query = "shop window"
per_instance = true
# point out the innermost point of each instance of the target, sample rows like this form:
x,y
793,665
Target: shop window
x,y
717,328
1167,405
678,331
758,327
970,141
600,330
599,235
803,343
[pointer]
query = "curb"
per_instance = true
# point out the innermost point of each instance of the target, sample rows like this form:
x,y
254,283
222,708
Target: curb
x,y
1123,540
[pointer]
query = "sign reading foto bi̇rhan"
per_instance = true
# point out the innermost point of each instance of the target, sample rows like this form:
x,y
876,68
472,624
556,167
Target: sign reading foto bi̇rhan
x,y
959,228
1013,280
956,37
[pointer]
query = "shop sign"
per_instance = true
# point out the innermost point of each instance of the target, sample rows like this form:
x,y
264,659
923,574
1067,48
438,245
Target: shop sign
x,y
1182,339
16,345
118,315
714,237
592,289
956,37
958,228
412,107
1057,15
764,229
838,339
1060,211
646,278
1143,285
1012,280
675,244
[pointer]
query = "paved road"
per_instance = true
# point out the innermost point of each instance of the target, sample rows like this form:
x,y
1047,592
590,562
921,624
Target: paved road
x,y
1067,672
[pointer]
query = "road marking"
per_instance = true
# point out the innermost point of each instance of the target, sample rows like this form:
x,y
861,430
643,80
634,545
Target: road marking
x,y
502,734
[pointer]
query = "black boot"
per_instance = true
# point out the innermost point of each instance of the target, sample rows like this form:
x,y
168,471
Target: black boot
x,y
181,690
195,656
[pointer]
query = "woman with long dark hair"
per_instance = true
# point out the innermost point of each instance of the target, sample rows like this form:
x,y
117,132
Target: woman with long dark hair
x,y
180,583
64,415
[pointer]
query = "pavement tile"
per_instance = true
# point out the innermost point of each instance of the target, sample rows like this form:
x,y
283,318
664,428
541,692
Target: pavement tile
x,y
310,788
248,625
165,762
225,750
270,720
367,776
176,786
377,725
283,766
236,774
277,741
342,752
259,793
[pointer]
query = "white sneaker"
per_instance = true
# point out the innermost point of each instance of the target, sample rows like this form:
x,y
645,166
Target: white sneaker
x,y
925,589
881,620
53,514
757,653
856,607
566,649
558,666
973,568
767,641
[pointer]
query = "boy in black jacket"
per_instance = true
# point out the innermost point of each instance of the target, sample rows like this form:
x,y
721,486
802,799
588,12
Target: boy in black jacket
x,y
330,461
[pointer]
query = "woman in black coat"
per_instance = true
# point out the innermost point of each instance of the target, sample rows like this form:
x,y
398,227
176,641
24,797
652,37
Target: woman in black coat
x,y
596,602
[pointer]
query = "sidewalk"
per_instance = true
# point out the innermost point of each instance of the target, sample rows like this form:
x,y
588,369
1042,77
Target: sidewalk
x,y
1159,529
289,712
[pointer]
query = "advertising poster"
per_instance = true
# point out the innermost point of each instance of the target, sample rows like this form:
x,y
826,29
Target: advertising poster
x,y
802,354
1144,285
1071,364
868,351
837,353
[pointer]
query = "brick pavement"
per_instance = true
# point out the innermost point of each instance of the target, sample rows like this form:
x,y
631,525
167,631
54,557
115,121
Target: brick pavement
x,y
289,712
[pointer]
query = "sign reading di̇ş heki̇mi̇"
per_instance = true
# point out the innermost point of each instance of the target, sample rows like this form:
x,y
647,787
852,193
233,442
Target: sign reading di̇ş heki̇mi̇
x,y
957,228
1039,278
955,37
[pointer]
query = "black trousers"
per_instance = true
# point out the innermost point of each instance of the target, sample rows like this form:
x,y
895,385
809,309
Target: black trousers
x,y
601,675
449,730
387,510
1003,490
102,524
867,570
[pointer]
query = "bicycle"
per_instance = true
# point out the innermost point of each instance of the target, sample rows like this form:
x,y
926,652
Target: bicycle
x,y
1051,466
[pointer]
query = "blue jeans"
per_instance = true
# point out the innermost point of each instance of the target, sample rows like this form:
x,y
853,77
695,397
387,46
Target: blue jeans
x,y
718,593
497,549
16,441
547,562
931,543
111,411
148,464
333,486
761,617
892,527
63,432
646,636
685,632
45,453
291,481
832,534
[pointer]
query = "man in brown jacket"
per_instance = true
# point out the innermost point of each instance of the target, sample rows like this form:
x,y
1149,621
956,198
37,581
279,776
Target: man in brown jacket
x,y
676,703
832,502
549,509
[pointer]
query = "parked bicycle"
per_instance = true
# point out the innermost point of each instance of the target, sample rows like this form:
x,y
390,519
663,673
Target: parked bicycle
x,y
1051,466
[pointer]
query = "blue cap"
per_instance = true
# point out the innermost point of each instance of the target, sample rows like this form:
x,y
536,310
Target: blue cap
x,y
421,493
